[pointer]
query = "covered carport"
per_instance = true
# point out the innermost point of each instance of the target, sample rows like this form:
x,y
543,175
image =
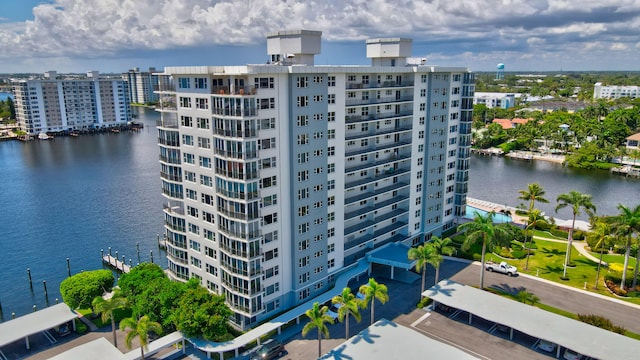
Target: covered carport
x,y
393,255
36,322
581,337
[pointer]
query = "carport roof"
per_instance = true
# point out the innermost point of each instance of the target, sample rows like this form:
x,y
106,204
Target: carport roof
x,y
98,349
581,337
392,254
16,329
388,340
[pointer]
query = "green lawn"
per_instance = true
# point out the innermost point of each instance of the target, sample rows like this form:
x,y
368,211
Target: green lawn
x,y
547,263
546,234
615,258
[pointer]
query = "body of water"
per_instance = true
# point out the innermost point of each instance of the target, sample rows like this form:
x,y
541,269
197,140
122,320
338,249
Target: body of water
x,y
70,197
499,179
4,96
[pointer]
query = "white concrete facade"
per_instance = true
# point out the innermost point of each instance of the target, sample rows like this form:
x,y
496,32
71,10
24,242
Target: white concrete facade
x,y
142,85
58,105
615,91
494,100
278,176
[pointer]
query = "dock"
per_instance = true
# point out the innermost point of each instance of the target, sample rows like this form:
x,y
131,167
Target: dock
x,y
488,152
520,155
116,264
627,170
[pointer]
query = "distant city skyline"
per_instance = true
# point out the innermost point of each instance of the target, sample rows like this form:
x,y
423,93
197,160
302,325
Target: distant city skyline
x,y
116,35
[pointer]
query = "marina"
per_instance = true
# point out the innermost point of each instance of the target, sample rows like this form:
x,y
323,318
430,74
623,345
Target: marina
x,y
116,264
627,171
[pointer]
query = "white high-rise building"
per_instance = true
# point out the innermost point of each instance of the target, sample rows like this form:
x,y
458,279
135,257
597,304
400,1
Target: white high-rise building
x,y
278,176
615,91
142,85
55,104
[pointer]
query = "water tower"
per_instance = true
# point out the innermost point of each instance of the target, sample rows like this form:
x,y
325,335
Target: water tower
x,y
500,72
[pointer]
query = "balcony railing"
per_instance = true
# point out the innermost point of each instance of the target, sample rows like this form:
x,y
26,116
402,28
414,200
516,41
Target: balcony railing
x,y
247,133
236,194
378,101
389,115
236,154
382,84
235,112
169,159
170,177
237,90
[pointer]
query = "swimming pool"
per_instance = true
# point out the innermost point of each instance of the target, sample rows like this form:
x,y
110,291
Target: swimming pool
x,y
497,218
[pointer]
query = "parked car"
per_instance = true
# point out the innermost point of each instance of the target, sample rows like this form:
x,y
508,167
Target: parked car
x,y
547,346
572,355
269,349
64,330
502,267
333,311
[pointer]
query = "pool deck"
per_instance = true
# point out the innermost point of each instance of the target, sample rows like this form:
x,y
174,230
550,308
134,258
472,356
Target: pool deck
x,y
489,206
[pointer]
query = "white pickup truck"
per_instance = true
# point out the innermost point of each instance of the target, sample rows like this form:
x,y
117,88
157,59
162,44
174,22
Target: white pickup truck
x,y
502,267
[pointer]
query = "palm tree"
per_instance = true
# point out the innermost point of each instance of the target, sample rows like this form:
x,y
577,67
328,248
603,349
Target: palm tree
x,y
441,247
577,201
602,233
627,224
106,309
534,193
139,329
350,305
526,297
318,318
535,218
372,291
483,228
423,255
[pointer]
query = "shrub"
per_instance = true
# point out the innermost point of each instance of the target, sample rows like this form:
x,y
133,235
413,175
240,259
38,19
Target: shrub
x,y
555,231
601,322
516,245
579,235
423,302
520,254
542,226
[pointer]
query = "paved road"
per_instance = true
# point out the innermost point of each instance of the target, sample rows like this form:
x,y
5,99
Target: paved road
x,y
570,300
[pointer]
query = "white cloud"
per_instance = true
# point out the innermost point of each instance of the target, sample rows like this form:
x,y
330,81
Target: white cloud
x,y
618,47
98,28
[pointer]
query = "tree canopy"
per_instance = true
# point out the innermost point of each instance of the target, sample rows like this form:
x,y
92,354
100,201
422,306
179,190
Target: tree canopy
x,y
79,290
202,314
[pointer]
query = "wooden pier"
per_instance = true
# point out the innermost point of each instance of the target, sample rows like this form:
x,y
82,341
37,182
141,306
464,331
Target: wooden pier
x,y
627,170
520,155
488,152
116,264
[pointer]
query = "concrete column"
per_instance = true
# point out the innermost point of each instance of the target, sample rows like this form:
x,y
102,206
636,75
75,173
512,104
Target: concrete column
x,y
279,330
184,349
392,271
470,318
237,352
26,339
511,334
221,355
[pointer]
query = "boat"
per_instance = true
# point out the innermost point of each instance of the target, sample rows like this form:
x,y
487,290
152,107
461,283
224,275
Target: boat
x,y
74,134
115,130
43,136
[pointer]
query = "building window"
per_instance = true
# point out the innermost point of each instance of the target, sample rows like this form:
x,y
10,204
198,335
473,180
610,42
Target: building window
x,y
303,193
203,123
184,83
318,98
202,104
185,102
303,120
331,116
201,83
331,81
331,168
331,184
303,139
331,232
302,82
303,228
302,101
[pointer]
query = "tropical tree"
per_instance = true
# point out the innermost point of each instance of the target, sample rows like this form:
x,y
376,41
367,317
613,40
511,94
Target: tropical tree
x,y
423,255
483,229
577,202
139,329
627,224
535,218
372,291
107,307
602,234
441,247
533,193
526,297
350,305
318,319
80,289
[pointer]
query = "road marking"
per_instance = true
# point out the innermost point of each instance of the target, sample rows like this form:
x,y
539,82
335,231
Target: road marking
x,y
420,319
455,313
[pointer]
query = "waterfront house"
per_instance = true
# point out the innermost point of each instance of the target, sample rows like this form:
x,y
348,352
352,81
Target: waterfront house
x,y
633,142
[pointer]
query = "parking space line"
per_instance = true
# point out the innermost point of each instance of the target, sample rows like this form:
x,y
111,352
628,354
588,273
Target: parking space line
x,y
535,345
441,339
455,313
420,319
493,328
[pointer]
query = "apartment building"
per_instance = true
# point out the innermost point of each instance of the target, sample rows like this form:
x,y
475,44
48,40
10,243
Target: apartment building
x,y
142,85
278,176
58,104
615,91
495,100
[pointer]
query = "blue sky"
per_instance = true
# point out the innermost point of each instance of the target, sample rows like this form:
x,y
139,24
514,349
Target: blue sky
x,y
116,35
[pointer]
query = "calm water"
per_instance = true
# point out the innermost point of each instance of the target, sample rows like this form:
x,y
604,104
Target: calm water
x,y
70,197
498,180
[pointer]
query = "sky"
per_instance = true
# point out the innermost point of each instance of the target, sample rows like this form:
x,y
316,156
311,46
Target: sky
x,y
117,35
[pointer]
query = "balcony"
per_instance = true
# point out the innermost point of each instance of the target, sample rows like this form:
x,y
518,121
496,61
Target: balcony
x,y
369,165
365,150
169,159
379,191
240,235
377,206
352,119
236,90
379,101
238,175
237,195
247,133
168,123
171,177
238,112
382,84
378,233
377,132
237,155
381,176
